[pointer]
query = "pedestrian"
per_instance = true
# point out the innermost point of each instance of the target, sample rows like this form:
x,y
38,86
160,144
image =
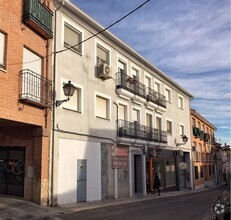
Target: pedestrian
x,y
156,184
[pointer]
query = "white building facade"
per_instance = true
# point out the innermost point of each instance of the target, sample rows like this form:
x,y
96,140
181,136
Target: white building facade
x,y
123,123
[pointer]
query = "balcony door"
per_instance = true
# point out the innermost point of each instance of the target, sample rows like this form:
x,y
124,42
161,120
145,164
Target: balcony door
x,y
31,75
159,126
149,125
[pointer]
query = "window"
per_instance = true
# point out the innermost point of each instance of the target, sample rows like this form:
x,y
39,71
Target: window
x,y
199,125
72,37
122,67
102,55
193,122
169,127
75,101
102,107
147,82
180,102
203,128
196,172
136,115
181,130
149,120
2,51
213,169
157,87
201,171
168,95
135,73
122,112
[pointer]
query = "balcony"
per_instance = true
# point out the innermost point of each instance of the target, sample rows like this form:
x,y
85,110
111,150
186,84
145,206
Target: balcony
x,y
134,130
35,89
39,17
156,98
130,88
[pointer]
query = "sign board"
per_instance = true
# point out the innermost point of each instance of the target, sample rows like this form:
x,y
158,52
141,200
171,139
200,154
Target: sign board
x,y
119,157
183,165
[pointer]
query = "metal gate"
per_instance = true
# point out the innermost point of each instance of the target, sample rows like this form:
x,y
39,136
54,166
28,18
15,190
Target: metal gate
x,y
12,160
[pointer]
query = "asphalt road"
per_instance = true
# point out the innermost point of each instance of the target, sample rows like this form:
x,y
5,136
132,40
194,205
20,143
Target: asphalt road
x,y
197,206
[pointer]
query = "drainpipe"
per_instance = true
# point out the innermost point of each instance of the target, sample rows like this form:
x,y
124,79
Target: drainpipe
x,y
54,107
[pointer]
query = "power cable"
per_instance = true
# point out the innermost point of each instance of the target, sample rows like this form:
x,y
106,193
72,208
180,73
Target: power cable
x,y
94,35
111,25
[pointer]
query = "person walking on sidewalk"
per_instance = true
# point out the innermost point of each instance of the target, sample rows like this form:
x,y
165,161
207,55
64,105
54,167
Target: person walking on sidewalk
x,y
156,184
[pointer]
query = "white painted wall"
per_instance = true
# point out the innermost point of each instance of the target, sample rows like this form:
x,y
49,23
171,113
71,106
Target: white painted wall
x,y
69,152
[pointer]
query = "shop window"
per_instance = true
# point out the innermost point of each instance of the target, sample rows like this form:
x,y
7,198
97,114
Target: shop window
x,y
170,172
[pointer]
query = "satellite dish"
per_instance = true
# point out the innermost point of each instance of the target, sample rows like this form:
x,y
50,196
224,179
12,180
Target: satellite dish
x,y
183,166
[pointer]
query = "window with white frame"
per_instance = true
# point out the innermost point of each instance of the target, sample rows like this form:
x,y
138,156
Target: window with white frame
x,y
75,101
122,67
136,115
72,38
122,112
168,95
2,50
102,55
169,127
135,73
102,107
181,130
147,82
180,102
157,87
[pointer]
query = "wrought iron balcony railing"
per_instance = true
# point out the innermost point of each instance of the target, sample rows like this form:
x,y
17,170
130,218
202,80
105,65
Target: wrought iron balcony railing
x,y
134,130
155,97
35,89
39,17
132,85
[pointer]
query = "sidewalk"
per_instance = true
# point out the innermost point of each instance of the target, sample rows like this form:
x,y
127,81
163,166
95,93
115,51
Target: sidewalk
x,y
12,208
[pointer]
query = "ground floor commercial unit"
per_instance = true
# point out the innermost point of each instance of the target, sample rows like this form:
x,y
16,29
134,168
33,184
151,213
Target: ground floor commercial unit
x,y
89,169
24,161
205,174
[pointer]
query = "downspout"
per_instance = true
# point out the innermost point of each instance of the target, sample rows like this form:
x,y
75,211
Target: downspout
x,y
54,107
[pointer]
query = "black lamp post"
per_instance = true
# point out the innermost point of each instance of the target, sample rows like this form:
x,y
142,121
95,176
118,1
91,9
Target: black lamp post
x,y
184,139
68,90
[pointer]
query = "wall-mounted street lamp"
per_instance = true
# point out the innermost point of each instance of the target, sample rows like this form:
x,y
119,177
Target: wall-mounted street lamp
x,y
184,139
68,90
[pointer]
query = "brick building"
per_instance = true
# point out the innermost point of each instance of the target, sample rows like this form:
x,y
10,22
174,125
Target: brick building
x,y
25,82
204,161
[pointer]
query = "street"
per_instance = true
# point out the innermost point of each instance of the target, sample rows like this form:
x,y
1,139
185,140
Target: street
x,y
196,206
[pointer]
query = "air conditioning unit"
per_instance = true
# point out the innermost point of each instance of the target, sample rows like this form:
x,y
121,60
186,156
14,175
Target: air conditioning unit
x,y
104,71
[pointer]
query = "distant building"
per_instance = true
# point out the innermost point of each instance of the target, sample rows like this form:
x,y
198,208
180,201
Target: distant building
x,y
203,143
25,82
124,122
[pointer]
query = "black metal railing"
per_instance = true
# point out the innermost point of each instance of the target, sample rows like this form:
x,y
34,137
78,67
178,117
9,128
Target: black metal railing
x,y
131,84
39,17
137,131
134,86
155,97
35,89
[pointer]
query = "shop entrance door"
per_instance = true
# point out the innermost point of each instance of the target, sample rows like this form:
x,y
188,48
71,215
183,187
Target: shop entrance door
x,y
158,167
12,160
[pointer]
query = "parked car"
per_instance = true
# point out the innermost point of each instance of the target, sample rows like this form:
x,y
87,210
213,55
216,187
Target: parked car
x,y
221,206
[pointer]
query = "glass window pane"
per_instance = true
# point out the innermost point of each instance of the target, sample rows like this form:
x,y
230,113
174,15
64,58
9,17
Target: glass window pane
x,y
72,37
102,55
101,107
2,49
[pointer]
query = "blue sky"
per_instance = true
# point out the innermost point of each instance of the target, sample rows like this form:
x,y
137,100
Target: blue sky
x,y
189,40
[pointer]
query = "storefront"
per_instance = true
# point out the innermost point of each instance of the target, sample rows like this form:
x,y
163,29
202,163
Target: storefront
x,y
164,163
